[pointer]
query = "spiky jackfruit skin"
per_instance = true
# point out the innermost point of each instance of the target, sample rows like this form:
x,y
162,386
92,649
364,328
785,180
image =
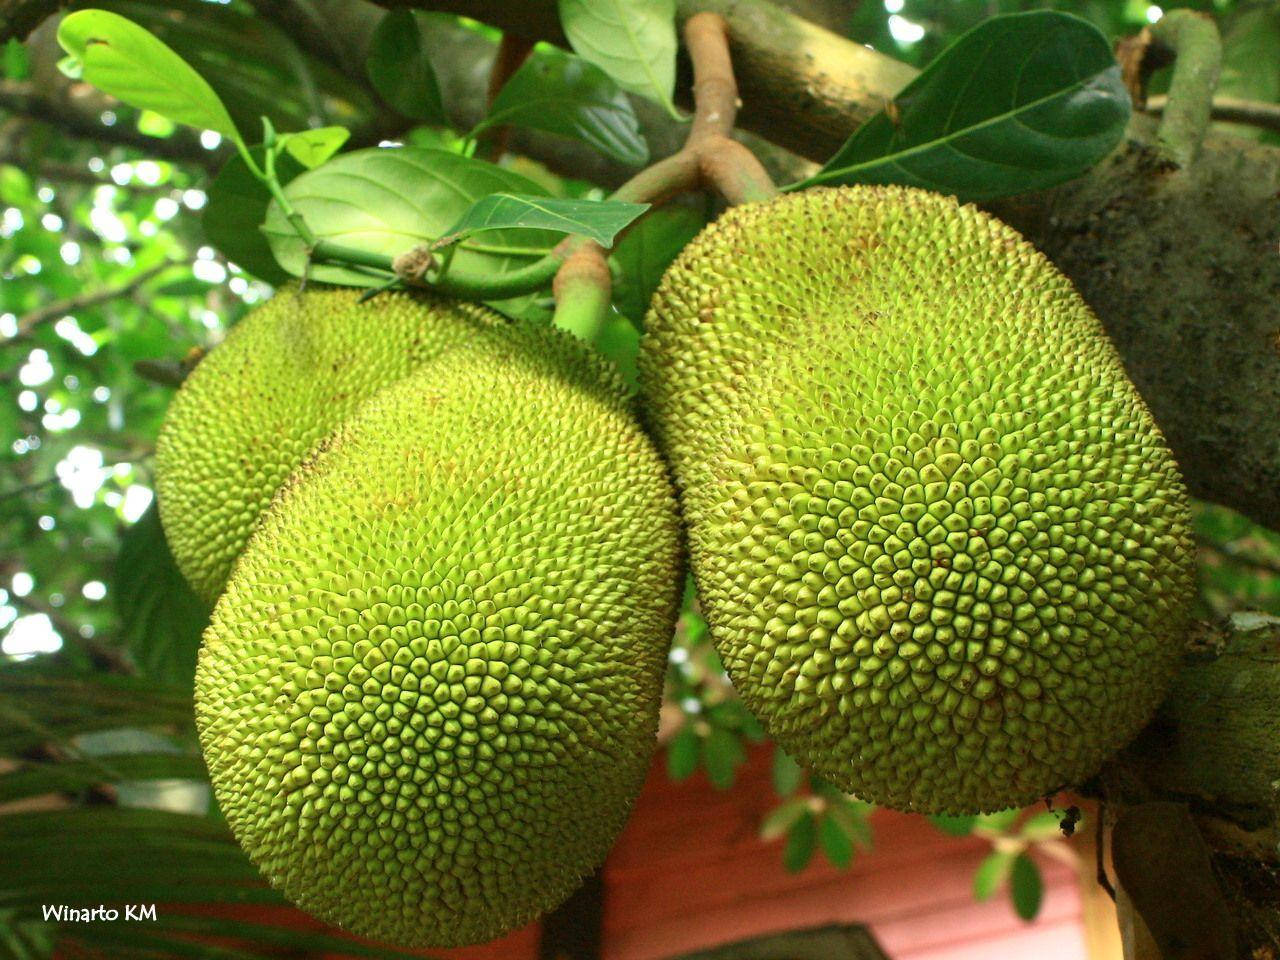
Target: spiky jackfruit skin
x,y
285,376
430,691
942,548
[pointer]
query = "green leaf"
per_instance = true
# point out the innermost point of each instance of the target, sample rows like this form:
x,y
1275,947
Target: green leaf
x,y
836,844
722,753
1026,887
161,619
388,201
633,41
313,147
786,773
560,93
122,59
991,874
783,817
954,826
801,842
645,251
1045,825
1020,102
682,753
852,817
400,70
237,207
15,62
601,220
1000,821
1250,68
36,779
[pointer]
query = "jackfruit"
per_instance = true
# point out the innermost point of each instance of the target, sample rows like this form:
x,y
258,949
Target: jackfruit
x,y
284,377
941,546
430,691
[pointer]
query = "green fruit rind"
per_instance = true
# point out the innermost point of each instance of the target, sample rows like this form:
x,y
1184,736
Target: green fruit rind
x,y
430,691
941,546
285,376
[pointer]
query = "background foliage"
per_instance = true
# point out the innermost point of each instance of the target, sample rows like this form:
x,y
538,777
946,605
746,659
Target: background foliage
x,y
113,229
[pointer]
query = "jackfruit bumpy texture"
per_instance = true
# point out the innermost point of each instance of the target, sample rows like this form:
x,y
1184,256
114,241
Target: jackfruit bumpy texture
x,y
941,546
430,692
286,375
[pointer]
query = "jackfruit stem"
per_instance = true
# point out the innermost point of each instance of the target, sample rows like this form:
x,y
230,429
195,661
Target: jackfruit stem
x,y
1194,41
582,289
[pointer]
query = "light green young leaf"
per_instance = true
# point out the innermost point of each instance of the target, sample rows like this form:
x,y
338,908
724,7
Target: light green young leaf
x,y
122,59
783,817
991,874
786,773
835,842
601,220
1045,825
313,147
634,41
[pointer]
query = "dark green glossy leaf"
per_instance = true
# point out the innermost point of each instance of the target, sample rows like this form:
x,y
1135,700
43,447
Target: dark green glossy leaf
x,y
388,201
121,58
400,70
801,842
1026,888
237,208
601,220
1020,102
560,93
646,250
161,619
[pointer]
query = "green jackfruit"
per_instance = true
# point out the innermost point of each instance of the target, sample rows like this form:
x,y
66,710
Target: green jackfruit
x,y
430,691
284,378
941,546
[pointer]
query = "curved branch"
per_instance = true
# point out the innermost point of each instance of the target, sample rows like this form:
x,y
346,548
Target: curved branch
x,y
1193,39
1253,113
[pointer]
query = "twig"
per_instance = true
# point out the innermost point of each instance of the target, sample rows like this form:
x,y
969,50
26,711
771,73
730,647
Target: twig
x,y
1231,110
1193,39
708,158
23,98
512,52
59,308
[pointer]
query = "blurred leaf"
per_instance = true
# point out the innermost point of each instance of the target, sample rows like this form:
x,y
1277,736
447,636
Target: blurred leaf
x,y
313,147
601,220
783,817
15,62
1026,887
801,842
387,201
1046,825
1250,66
122,59
237,207
560,93
619,340
1021,102
991,874
721,755
161,619
400,70
633,41
786,773
682,753
835,843
955,826
852,817
1000,821
645,251
36,779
